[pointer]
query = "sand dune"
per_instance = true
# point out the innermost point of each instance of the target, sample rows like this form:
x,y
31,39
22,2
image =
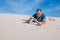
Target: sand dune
x,y
14,27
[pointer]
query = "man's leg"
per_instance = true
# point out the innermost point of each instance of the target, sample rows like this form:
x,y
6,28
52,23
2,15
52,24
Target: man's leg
x,y
51,19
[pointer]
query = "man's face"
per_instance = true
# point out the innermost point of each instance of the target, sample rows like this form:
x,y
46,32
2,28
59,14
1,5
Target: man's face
x,y
39,13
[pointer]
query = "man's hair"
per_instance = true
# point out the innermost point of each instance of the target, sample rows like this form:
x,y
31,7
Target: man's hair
x,y
38,9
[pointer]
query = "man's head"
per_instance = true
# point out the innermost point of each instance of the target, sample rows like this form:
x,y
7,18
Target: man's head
x,y
39,12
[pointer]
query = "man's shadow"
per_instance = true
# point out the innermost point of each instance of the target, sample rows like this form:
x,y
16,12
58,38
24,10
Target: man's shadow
x,y
25,21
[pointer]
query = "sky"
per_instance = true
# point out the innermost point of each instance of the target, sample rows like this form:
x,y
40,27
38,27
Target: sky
x,y
49,7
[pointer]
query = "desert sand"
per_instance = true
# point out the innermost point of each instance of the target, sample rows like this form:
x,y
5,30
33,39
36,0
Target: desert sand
x,y
14,27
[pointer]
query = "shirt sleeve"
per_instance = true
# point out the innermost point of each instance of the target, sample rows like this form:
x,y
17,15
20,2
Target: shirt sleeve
x,y
34,15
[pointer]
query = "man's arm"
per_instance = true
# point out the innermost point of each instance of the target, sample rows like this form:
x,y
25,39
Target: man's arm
x,y
42,23
31,19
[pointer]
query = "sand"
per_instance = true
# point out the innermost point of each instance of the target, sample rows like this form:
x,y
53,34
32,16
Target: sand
x,y
14,27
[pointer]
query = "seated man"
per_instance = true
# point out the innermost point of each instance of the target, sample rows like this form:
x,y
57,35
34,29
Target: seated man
x,y
39,17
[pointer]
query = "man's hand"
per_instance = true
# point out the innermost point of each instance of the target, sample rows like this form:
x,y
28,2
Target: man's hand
x,y
39,23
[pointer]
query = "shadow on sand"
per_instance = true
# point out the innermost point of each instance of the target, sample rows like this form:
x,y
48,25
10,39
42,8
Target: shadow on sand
x,y
25,21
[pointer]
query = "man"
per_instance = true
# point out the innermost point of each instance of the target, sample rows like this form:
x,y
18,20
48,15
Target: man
x,y
38,17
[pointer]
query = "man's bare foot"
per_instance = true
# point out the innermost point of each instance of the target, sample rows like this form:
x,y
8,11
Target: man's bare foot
x,y
51,19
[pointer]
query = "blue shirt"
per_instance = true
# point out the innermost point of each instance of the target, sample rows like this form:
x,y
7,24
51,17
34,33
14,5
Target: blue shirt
x,y
40,18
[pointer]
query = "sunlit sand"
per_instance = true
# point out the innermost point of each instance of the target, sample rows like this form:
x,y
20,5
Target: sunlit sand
x,y
15,27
